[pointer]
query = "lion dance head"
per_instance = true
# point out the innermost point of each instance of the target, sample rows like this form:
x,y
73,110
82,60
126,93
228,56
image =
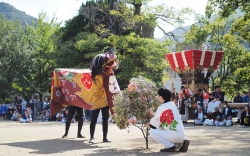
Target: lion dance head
x,y
104,63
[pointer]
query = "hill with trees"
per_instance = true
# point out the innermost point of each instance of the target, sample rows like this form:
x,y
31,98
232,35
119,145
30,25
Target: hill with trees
x,y
11,12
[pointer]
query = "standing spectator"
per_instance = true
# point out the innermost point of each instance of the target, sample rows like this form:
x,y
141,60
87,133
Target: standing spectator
x,y
45,103
4,110
18,103
32,103
38,107
238,99
24,105
219,97
244,94
199,99
246,99
14,103
183,96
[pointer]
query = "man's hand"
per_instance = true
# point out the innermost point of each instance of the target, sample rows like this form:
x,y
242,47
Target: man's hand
x,y
147,125
150,110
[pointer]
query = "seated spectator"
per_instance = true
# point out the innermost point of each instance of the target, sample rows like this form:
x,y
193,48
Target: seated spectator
x,y
217,116
59,116
3,110
29,109
42,116
210,107
15,115
245,117
198,117
65,116
238,99
9,112
26,117
47,113
227,114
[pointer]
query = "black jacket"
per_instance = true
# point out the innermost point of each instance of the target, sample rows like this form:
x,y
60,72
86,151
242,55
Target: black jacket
x,y
229,112
183,106
199,98
196,115
217,116
238,99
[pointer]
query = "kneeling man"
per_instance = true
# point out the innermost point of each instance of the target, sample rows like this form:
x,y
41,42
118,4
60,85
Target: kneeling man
x,y
167,127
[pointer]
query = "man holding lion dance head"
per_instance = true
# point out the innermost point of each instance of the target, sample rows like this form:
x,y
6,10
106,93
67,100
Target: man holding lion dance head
x,y
166,125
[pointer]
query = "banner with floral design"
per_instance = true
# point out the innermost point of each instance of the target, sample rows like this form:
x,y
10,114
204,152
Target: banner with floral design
x,y
75,87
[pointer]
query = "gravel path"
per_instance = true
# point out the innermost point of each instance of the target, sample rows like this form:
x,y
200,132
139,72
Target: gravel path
x,y
44,138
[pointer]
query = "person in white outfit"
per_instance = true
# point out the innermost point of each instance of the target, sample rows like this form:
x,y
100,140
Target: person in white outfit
x,y
167,127
198,117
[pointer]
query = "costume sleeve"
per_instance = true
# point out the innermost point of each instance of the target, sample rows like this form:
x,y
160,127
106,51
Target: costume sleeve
x,y
155,121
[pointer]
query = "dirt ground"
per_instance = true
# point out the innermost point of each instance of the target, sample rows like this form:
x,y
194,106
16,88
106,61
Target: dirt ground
x,y
44,138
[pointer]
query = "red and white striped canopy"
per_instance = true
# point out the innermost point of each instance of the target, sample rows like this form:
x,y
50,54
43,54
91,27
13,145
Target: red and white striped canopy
x,y
193,59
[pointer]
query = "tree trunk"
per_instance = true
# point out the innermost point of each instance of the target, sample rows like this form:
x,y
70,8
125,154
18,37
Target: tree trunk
x,y
146,138
138,25
137,10
113,6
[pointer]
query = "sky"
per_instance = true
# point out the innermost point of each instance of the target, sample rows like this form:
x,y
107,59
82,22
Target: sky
x,y
66,9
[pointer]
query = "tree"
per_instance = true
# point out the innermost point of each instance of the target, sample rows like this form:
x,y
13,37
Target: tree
x,y
227,7
15,53
131,106
42,37
217,33
137,56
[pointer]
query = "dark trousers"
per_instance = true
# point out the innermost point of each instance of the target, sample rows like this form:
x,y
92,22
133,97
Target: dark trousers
x,y
242,120
72,110
105,117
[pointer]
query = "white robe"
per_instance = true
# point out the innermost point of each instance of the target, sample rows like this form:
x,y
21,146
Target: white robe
x,y
200,116
212,105
167,137
185,117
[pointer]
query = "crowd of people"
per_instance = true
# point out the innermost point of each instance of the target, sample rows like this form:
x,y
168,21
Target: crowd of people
x,y
212,108
35,109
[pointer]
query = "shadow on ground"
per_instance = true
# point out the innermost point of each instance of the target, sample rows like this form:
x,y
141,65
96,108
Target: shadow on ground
x,y
54,145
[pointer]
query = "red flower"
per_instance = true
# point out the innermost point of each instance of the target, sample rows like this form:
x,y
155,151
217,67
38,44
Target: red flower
x,y
167,116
